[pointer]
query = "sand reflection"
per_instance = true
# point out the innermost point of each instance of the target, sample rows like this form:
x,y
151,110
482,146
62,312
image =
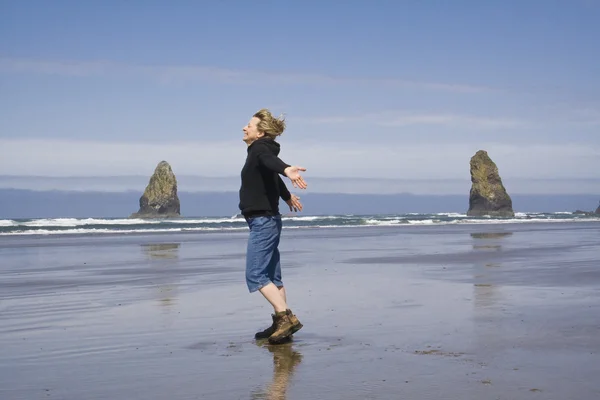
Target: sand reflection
x,y
488,296
486,293
164,257
285,361
490,235
489,245
158,251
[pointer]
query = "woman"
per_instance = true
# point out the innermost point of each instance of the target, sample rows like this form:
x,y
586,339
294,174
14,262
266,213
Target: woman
x,y
260,191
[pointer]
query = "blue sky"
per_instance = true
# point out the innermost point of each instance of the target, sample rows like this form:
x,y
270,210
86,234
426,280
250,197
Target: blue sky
x,y
370,89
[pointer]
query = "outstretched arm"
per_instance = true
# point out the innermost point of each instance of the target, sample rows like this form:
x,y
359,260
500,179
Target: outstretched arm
x,y
274,163
291,200
283,190
293,173
270,160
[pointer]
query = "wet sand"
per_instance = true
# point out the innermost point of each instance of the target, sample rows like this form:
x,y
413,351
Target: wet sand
x,y
444,312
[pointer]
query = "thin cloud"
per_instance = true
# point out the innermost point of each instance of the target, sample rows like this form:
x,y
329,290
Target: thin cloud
x,y
198,73
588,115
371,160
401,119
454,120
195,183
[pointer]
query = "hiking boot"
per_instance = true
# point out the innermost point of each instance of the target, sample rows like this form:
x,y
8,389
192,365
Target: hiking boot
x,y
296,325
283,327
267,332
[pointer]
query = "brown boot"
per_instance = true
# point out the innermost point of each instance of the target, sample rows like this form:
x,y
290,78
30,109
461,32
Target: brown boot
x,y
283,328
296,325
267,332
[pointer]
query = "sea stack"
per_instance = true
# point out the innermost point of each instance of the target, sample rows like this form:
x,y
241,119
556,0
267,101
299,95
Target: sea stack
x,y
160,197
598,209
488,195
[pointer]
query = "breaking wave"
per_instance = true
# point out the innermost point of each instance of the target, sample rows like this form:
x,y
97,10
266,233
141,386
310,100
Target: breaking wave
x,y
86,226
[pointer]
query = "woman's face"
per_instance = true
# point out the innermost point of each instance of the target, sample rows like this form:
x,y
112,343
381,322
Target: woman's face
x,y
251,132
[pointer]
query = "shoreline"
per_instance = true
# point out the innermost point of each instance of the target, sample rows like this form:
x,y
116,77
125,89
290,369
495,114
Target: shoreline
x,y
208,230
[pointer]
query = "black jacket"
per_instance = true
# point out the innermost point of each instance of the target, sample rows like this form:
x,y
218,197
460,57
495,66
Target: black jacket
x,y
261,184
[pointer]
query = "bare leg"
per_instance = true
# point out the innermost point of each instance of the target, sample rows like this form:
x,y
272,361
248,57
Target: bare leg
x,y
282,293
273,296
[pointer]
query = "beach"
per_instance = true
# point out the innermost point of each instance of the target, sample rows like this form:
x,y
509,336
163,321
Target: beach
x,y
473,311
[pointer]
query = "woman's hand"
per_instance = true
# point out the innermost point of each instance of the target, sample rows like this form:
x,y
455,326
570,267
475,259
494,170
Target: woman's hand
x,y
294,203
293,173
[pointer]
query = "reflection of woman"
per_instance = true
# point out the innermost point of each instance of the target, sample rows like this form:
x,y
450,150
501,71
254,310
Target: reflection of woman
x,y
285,360
259,202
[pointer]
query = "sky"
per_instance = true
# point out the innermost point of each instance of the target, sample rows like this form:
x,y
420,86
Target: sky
x,y
371,90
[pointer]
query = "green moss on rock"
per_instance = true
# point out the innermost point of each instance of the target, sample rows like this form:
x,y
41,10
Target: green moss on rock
x,y
488,195
160,198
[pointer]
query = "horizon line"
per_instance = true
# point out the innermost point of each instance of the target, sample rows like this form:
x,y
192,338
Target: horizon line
x,y
370,179
232,191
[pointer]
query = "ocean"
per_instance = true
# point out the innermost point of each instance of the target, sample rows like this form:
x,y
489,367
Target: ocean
x,y
89,226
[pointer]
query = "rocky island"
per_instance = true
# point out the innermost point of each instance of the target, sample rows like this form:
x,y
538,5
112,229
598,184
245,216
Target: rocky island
x,y
160,197
589,213
488,195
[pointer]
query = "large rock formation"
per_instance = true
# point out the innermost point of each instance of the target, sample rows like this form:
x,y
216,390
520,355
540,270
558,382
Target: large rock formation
x,y
598,209
160,197
488,195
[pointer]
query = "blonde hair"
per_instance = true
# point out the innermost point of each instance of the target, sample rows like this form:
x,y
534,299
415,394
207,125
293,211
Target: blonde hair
x,y
269,125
